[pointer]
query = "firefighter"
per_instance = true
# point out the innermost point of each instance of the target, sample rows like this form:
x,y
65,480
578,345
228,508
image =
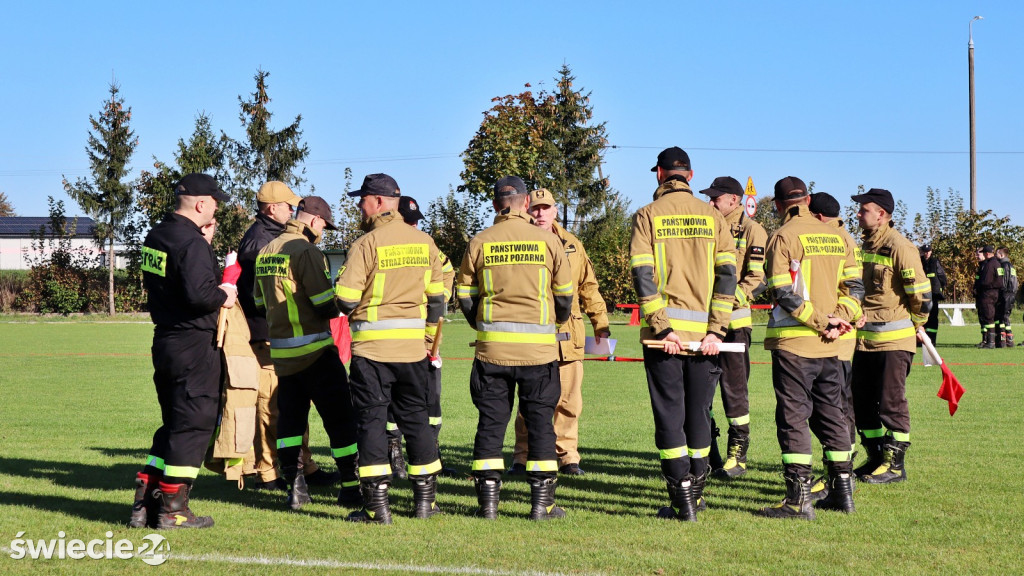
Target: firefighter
x,y
684,270
586,299
391,288
1007,296
897,300
293,286
987,284
825,207
726,195
181,277
515,289
815,284
411,215
275,202
937,275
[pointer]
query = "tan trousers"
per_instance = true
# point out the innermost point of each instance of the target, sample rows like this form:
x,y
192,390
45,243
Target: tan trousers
x,y
566,420
266,422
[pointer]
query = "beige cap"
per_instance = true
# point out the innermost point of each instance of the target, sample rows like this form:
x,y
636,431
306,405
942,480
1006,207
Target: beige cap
x,y
541,196
273,192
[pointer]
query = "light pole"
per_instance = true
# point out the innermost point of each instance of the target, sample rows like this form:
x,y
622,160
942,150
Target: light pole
x,y
970,74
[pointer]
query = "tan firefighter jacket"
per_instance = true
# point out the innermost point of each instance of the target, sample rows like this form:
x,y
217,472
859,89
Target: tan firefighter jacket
x,y
848,341
515,288
293,285
391,288
684,265
750,241
897,292
586,297
812,274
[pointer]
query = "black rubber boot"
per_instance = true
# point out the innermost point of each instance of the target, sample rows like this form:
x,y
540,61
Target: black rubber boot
x,y
398,471
873,450
820,486
1009,339
990,338
736,460
699,482
348,469
487,494
797,503
174,511
684,506
840,492
892,468
714,456
376,508
424,494
298,490
542,499
146,505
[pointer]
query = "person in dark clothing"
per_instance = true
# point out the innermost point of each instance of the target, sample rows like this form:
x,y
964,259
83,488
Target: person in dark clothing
x,y
986,293
1007,296
181,275
934,271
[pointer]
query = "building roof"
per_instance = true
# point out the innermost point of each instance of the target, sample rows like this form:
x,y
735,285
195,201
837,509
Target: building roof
x,y
23,226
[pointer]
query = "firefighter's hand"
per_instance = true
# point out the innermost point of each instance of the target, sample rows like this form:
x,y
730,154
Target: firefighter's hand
x,y
861,322
232,295
600,335
836,327
709,345
672,343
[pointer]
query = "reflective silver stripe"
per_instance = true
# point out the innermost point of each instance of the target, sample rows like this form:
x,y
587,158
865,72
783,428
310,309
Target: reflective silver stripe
x,y
299,340
887,326
516,327
785,322
393,324
681,314
740,313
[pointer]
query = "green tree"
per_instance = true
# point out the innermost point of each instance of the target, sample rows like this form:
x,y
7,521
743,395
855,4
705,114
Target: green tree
x,y
452,221
105,196
606,238
6,208
348,222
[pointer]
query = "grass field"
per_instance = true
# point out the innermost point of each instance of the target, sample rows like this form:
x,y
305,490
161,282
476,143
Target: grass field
x,y
78,411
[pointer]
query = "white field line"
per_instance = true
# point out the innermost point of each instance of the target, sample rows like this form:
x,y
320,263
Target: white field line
x,y
315,563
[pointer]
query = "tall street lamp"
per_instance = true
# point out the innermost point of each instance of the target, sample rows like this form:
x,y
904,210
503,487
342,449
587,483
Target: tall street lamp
x,y
970,74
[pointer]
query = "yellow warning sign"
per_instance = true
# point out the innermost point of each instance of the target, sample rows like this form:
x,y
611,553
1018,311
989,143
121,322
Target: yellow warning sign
x,y
750,190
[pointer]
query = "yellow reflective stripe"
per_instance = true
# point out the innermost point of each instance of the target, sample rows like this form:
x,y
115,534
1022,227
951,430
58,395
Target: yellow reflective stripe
x,y
155,461
377,297
659,264
344,451
467,291
641,260
850,273
919,319
542,465
181,471
300,350
741,298
489,464
293,311
488,295
346,293
838,455
672,453
741,243
711,272
723,258
791,332
755,266
435,288
563,289
652,306
258,300
424,469
431,330
806,313
426,291
290,442
850,303
375,470
738,323
391,334
434,420
780,280
886,336
740,421
688,325
542,296
721,305
699,452
876,433
900,436
232,462
517,337
391,426
877,259
851,335
918,288
796,459
322,297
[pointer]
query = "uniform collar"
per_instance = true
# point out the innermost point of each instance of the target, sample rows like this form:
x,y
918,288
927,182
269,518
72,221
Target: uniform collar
x,y
876,236
384,218
798,211
178,218
670,186
302,229
510,214
735,216
269,223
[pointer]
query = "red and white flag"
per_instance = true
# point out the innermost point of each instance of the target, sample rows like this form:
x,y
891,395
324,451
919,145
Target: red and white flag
x,y
950,390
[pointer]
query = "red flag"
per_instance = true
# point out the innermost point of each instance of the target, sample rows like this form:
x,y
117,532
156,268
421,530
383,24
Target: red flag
x,y
232,269
951,390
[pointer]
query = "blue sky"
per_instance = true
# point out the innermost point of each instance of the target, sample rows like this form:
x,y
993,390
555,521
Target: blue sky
x,y
763,90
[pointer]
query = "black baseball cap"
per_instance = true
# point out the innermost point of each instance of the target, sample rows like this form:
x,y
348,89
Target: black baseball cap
x,y
825,204
200,185
790,188
409,210
926,248
509,186
723,185
877,195
317,206
674,158
378,185
988,249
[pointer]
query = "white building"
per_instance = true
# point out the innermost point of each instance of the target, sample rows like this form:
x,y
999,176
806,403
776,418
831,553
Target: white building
x,y
17,252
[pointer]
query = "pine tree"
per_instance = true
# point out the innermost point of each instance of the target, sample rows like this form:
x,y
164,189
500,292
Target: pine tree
x,y
105,197
6,208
